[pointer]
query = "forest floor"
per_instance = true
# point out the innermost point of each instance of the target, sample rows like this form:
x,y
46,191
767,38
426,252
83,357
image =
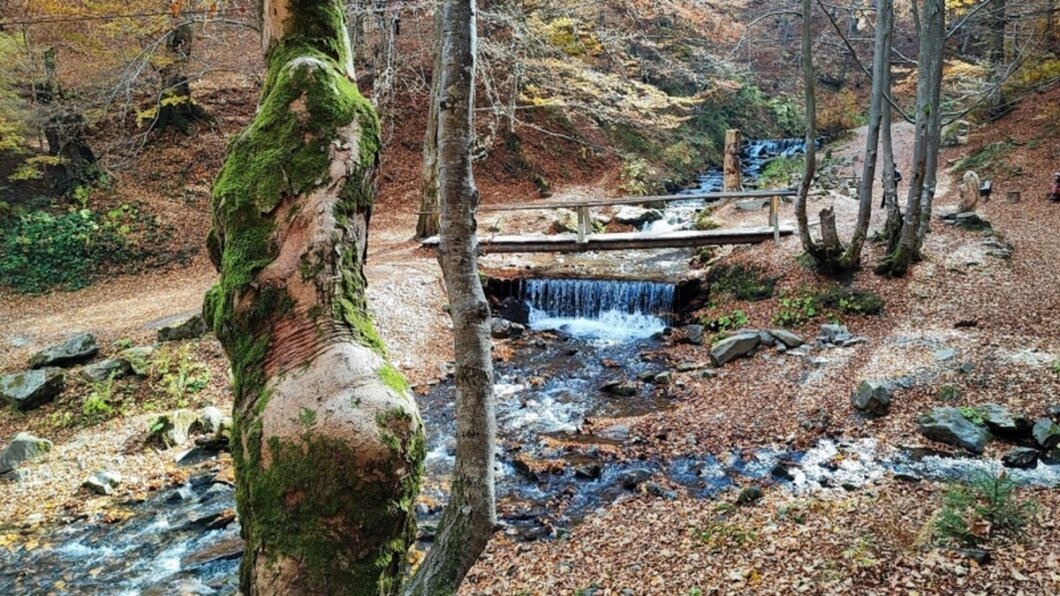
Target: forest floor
x,y
876,539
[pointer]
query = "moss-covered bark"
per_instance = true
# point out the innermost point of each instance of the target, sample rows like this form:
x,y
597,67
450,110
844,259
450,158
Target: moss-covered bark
x,y
328,445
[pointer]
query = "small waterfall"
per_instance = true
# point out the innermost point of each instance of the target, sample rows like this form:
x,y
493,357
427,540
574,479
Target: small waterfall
x,y
605,309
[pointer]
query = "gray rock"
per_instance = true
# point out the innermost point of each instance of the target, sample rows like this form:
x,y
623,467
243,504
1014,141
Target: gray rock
x,y
1046,433
564,221
515,310
182,327
138,359
1053,412
948,425
23,447
633,478
1051,457
1020,457
944,355
734,347
103,483
211,419
872,398
77,349
693,334
172,429
616,432
1002,422
33,388
105,369
787,338
662,378
500,328
834,334
620,388
635,216
766,338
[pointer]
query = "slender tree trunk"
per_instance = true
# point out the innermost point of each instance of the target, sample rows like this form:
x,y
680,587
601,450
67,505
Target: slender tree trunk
x,y
996,55
881,64
809,90
925,148
893,226
327,441
427,222
470,515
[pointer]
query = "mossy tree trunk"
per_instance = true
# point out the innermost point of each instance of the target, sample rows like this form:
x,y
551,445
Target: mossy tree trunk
x,y
327,441
427,222
470,516
931,27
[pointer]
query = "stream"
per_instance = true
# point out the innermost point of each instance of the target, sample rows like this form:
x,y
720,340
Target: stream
x,y
582,336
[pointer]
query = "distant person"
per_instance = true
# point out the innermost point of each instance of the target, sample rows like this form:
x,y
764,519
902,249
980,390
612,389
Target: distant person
x,y
1054,196
897,179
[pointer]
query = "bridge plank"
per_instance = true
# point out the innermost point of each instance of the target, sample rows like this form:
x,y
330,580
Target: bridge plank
x,y
622,241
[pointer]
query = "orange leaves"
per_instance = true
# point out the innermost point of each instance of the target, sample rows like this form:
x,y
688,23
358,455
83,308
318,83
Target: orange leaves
x,y
175,7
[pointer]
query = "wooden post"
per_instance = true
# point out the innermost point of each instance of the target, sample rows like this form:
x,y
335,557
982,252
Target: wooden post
x,y
733,179
1013,196
583,225
774,218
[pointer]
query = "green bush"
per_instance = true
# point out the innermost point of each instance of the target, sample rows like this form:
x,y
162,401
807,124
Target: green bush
x,y
983,510
781,172
741,282
40,251
851,302
796,310
737,319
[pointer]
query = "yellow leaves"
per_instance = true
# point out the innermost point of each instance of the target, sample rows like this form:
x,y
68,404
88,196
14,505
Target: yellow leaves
x,y
8,541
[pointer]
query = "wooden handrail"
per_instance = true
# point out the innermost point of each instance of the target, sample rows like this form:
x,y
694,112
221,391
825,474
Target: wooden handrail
x,y
740,194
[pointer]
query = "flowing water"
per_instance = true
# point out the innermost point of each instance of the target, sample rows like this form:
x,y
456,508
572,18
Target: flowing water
x,y
754,156
584,334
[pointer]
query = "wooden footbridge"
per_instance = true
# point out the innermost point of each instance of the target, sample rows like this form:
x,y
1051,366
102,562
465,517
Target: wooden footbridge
x,y
584,240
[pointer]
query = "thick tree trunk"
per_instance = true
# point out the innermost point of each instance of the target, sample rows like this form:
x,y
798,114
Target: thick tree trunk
x,y
809,90
65,133
470,515
327,441
881,64
925,148
733,177
175,104
427,222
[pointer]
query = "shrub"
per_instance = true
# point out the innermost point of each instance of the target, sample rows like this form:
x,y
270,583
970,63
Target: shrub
x,y
851,302
40,252
177,374
983,510
741,282
796,310
781,172
737,319
97,404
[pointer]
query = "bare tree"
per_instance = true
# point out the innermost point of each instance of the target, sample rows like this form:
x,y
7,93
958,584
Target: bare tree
x,y
470,516
931,25
427,221
327,441
809,83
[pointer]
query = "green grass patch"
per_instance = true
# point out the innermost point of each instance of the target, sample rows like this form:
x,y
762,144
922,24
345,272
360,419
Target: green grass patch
x,y
742,282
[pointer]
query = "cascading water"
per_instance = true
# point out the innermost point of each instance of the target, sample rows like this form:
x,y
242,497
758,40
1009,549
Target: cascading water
x,y
754,156
599,309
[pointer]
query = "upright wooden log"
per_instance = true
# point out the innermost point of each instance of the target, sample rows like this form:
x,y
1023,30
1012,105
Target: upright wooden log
x,y
733,179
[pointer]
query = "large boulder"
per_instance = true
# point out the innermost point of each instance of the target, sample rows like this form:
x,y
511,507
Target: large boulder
x,y
33,388
872,398
173,428
637,216
832,333
79,348
23,447
948,425
734,347
1046,433
1002,422
105,369
182,327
